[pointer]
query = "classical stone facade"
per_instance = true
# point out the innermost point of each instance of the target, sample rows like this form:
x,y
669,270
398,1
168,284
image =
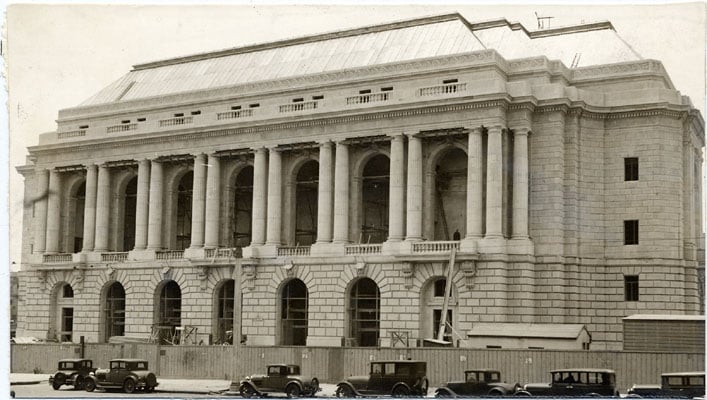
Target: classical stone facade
x,y
313,191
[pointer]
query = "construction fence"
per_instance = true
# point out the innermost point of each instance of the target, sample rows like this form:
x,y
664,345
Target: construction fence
x,y
331,365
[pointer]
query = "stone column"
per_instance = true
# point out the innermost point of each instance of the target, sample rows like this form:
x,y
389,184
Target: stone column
x,y
53,212
198,202
474,186
494,183
688,202
89,212
40,210
154,225
324,203
396,209
520,183
414,189
260,182
341,191
213,201
142,204
103,209
274,216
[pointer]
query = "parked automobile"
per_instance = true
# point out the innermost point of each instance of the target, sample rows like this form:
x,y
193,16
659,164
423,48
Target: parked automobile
x,y
280,378
480,382
579,382
673,384
126,373
396,378
71,371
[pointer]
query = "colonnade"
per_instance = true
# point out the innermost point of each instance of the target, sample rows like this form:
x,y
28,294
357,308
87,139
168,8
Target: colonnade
x,y
405,191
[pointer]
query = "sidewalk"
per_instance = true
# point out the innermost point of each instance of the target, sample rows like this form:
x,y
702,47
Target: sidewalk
x,y
173,385
28,379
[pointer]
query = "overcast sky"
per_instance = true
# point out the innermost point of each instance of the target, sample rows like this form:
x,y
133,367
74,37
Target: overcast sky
x,y
60,55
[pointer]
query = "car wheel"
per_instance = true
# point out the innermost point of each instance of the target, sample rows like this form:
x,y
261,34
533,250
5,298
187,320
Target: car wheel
x,y
247,391
79,382
401,391
56,385
443,394
495,393
129,386
90,385
292,390
522,393
345,392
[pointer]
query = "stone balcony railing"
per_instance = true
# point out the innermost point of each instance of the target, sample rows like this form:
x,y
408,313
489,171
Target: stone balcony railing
x,y
70,134
307,105
115,256
357,249
56,258
234,114
176,121
367,98
235,252
435,246
121,128
169,255
449,88
293,251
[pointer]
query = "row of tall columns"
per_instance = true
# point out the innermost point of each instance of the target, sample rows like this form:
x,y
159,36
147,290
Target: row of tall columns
x,y
474,185
397,189
142,204
103,196
324,204
213,202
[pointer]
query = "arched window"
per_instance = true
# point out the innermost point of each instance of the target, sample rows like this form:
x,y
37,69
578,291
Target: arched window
x,y
374,200
432,304
450,195
294,303
64,313
364,313
184,203
169,313
129,215
306,204
114,311
242,215
225,304
79,206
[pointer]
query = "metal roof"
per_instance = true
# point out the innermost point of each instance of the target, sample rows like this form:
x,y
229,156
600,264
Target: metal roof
x,y
550,331
382,44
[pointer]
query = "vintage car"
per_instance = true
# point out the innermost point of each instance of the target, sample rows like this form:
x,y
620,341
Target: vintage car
x,y
71,371
577,382
396,378
126,374
480,382
280,378
674,385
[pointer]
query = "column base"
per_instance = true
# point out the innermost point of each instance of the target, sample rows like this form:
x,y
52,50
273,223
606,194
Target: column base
x,y
469,245
521,245
492,245
327,249
391,246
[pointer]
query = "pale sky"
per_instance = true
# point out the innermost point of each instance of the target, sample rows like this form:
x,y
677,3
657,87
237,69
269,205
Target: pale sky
x,y
60,55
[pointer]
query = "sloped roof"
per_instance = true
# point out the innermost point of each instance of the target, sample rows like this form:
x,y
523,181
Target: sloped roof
x,y
381,44
665,317
548,331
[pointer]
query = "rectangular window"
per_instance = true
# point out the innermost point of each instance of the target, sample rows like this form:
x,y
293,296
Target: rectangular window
x,y
297,100
83,127
631,287
177,115
234,108
141,119
254,105
319,97
364,91
197,112
631,232
125,121
447,81
386,89
631,169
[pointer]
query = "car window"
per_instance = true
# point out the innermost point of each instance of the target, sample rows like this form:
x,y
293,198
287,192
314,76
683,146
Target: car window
x,y
294,370
675,380
495,377
696,381
594,378
376,368
273,370
569,377
389,369
87,364
404,370
471,377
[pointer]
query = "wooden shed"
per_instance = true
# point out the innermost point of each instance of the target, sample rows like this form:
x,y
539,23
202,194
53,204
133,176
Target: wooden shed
x,y
528,336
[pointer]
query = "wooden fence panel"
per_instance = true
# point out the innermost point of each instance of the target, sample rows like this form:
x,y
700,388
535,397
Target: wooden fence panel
x,y
41,358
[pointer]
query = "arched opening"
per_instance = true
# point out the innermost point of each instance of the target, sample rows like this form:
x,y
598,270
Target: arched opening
x,y
79,207
432,304
225,305
242,215
306,202
294,304
183,215
169,311
449,191
114,311
364,313
375,184
62,325
129,215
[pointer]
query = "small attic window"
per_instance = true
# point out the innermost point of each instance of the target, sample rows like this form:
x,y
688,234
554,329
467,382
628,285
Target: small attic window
x,y
141,119
197,112
125,121
254,105
178,115
319,97
365,91
83,127
234,108
446,81
297,100
387,89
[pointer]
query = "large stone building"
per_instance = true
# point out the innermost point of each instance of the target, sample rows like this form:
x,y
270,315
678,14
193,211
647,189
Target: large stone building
x,y
312,191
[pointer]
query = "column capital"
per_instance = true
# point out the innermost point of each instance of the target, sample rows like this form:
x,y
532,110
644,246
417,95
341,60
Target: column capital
x,y
412,135
325,142
198,154
494,128
396,135
476,130
521,131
